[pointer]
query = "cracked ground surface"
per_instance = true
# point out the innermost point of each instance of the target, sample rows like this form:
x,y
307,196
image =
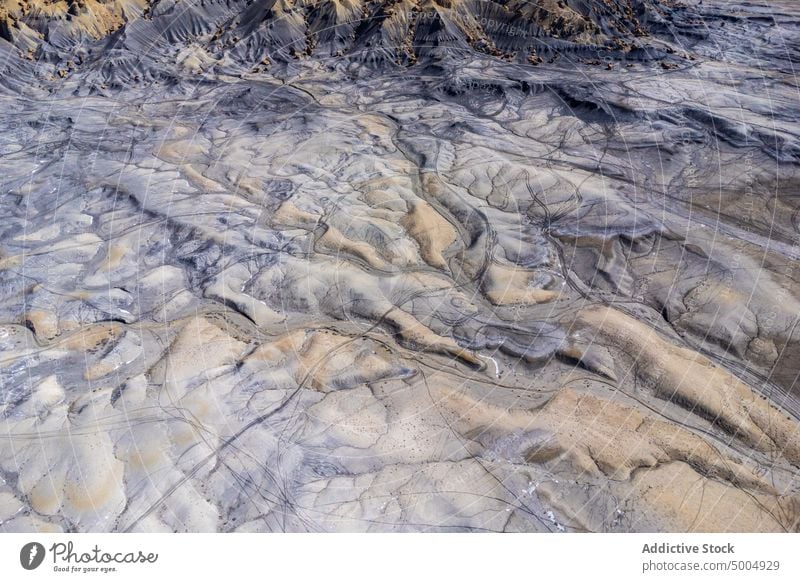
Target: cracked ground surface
x,y
399,266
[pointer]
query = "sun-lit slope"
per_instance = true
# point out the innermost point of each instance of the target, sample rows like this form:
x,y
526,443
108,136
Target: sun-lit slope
x,y
397,31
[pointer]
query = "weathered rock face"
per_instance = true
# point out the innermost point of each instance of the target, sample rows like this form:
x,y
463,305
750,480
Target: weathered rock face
x,y
331,27
399,266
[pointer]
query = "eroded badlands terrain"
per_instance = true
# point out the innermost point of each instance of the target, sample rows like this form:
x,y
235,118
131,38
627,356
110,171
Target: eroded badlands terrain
x,y
405,265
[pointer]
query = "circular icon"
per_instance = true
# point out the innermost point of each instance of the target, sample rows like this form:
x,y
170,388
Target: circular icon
x,y
31,555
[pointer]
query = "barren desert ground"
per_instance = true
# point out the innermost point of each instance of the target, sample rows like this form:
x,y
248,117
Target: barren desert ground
x,y
399,265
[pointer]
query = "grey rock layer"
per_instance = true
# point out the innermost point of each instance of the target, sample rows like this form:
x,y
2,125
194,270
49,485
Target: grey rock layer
x,y
399,266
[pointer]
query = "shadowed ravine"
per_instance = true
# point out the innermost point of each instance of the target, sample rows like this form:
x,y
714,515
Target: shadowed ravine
x,y
430,265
